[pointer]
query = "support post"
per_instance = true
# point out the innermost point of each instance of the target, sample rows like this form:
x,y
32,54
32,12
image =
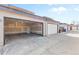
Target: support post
x,y
1,30
45,31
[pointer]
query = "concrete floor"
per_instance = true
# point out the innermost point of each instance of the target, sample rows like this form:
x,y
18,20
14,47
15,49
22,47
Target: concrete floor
x,y
57,44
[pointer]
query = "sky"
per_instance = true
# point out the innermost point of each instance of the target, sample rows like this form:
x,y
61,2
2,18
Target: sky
x,y
67,13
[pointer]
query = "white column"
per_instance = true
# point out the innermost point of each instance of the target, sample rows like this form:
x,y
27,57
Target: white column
x,y
1,30
45,31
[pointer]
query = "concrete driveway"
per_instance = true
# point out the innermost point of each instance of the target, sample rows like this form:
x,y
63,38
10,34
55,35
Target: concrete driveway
x,y
57,44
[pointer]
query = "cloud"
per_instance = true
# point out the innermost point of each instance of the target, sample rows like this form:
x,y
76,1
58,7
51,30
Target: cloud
x,y
61,9
58,10
50,4
76,9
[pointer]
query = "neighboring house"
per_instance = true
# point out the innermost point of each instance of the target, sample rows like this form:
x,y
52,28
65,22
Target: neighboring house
x,y
62,27
73,27
77,27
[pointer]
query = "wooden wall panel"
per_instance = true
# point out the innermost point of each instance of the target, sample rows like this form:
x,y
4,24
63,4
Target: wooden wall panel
x,y
36,28
13,26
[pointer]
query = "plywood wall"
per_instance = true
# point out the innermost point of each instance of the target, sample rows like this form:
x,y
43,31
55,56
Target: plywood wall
x,y
12,26
36,28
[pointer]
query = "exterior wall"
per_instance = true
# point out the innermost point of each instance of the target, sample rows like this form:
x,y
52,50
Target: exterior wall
x,y
1,30
74,27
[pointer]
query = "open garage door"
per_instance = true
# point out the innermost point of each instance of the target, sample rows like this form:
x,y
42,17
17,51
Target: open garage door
x,y
52,28
14,26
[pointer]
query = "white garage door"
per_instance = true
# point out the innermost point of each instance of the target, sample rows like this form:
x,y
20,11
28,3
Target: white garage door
x,y
52,28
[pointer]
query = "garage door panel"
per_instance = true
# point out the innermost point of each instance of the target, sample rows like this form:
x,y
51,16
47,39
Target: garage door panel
x,y
52,28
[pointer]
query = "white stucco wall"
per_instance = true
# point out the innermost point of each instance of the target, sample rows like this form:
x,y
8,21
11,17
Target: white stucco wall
x,y
1,30
45,29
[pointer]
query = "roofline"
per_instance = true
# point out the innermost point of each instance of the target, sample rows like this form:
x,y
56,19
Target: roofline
x,y
17,8
21,11
48,18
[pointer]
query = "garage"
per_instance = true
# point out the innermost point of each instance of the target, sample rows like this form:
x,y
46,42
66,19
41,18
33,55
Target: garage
x,y
15,27
73,27
52,28
15,21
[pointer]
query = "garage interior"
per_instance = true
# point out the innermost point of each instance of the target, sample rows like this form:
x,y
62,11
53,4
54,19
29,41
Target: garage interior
x,y
15,27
